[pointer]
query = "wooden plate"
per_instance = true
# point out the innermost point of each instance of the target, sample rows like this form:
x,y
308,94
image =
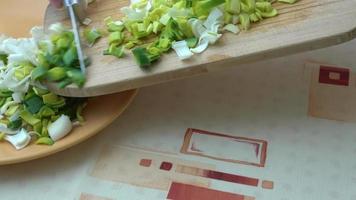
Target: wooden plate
x,y
303,26
99,113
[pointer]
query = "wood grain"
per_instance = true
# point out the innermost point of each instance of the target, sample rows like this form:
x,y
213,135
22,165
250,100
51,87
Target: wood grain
x,y
304,26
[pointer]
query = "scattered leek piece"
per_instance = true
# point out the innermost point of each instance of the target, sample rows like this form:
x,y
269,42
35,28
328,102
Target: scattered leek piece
x,y
60,128
79,112
288,1
114,50
33,104
20,139
3,58
116,37
38,73
5,93
232,28
182,50
245,21
45,141
144,58
202,8
233,7
56,74
70,56
2,136
29,118
114,26
53,100
46,111
92,35
64,83
14,125
76,76
192,42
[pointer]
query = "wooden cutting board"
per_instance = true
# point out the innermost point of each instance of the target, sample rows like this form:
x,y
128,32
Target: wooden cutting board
x,y
304,26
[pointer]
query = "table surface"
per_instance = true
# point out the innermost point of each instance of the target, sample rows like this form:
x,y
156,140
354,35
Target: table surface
x,y
307,157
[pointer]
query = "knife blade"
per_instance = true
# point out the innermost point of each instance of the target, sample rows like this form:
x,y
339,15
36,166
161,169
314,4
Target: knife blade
x,y
73,6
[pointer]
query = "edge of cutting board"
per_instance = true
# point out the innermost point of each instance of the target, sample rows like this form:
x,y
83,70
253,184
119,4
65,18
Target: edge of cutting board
x,y
304,26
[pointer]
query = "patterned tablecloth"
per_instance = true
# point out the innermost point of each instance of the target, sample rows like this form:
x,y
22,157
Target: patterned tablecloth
x,y
279,129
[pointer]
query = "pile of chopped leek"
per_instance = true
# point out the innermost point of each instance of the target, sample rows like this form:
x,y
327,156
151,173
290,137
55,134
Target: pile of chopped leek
x,y
28,110
57,59
153,27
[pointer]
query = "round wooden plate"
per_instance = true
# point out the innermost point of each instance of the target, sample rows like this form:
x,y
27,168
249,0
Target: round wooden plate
x,y
99,113
16,19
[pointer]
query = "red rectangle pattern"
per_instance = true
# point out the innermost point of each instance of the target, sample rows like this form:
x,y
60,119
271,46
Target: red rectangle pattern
x,y
222,176
342,78
260,146
180,191
232,178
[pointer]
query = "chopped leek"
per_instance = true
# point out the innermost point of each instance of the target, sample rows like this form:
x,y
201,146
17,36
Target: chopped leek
x,y
45,141
232,28
38,73
53,100
76,76
144,58
56,74
192,42
33,104
115,50
29,118
14,125
288,1
2,136
60,128
92,35
27,108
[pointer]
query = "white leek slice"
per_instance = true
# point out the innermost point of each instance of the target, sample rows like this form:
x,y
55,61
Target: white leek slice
x,y
133,14
19,140
56,28
197,27
8,81
87,21
60,128
118,23
17,96
235,19
15,116
4,108
212,37
134,1
179,12
204,41
182,50
165,19
215,16
2,65
20,50
232,28
4,129
202,46
207,32
38,34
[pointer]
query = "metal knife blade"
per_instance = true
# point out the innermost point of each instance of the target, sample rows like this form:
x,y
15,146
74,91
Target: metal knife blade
x,y
71,4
